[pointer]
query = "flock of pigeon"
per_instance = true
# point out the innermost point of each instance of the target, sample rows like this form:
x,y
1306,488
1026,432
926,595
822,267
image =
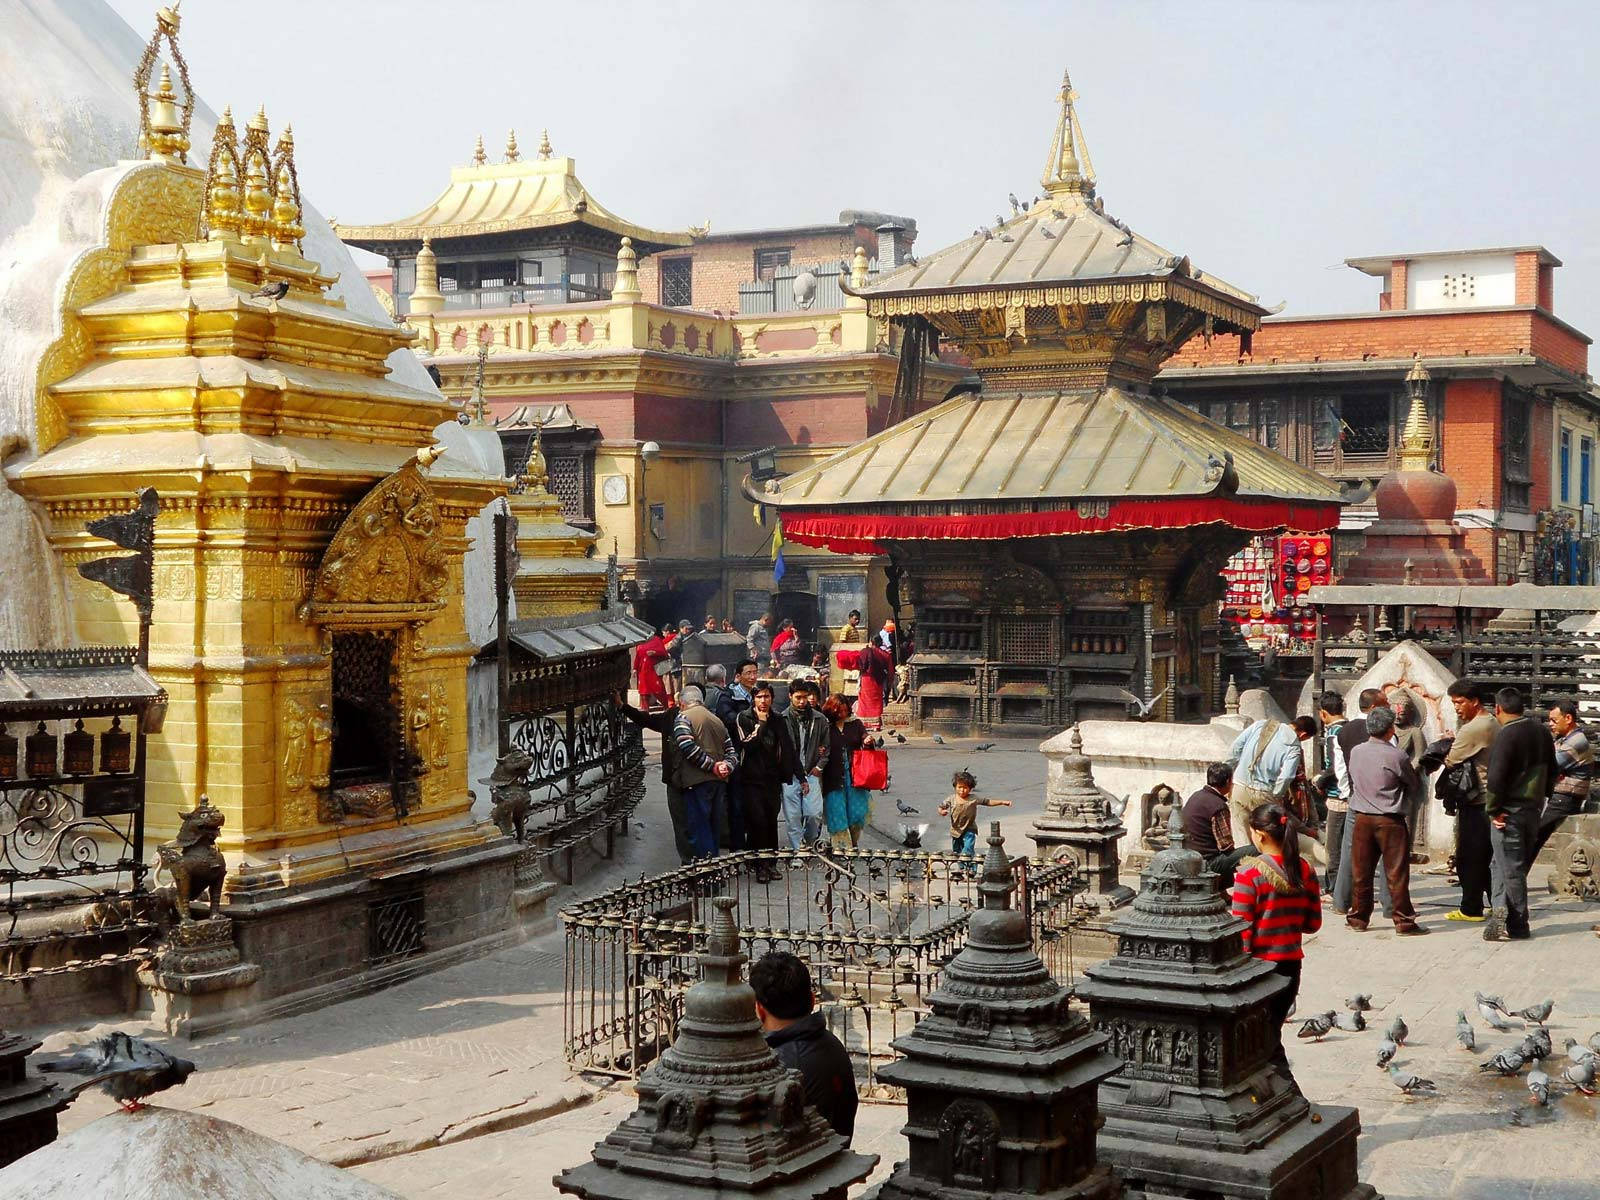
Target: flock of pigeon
x,y
1534,1050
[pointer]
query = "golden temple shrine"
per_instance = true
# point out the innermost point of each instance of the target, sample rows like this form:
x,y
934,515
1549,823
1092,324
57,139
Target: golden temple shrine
x,y
1056,533
312,580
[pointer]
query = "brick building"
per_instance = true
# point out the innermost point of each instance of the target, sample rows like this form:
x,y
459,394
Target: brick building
x,y
1510,392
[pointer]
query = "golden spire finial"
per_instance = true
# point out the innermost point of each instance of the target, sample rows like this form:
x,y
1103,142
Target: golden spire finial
x,y
544,144
512,153
1416,440
426,296
256,223
859,267
164,136
536,475
1068,171
479,157
626,285
222,181
288,209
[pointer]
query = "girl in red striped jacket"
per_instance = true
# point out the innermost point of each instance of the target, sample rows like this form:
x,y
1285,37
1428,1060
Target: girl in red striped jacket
x,y
1275,894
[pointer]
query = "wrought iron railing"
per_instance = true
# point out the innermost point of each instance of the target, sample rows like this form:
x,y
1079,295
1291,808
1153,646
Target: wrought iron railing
x,y
876,928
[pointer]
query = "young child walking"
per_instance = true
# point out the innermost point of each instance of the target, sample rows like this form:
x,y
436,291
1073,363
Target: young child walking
x,y
962,809
1275,894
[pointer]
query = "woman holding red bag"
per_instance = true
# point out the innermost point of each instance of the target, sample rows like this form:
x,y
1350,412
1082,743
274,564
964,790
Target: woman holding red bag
x,y
844,805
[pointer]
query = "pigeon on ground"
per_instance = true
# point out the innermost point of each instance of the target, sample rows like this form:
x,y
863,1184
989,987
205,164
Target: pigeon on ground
x,y
1576,1050
911,836
899,737
1536,1044
982,746
904,809
1317,1027
1539,1084
1581,1075
1537,1013
1491,1001
1495,1013
273,289
1397,1030
1410,1084
1386,1052
1507,1062
937,740
1350,1022
127,1068
1360,1002
1464,1034
1594,1042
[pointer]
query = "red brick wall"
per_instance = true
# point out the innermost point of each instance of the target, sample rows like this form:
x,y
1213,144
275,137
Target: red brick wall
x,y
1398,275
836,419
1547,287
1527,277
1395,335
721,266
610,412
1543,451
1471,451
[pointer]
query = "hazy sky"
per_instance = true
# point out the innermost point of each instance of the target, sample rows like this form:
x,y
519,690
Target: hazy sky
x,y
1268,141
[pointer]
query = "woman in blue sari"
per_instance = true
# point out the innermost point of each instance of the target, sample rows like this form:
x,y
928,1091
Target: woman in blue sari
x,y
844,806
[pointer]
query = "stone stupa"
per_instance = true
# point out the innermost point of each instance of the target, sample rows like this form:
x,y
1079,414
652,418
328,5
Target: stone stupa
x,y
1205,1105
719,1115
1081,821
1001,1077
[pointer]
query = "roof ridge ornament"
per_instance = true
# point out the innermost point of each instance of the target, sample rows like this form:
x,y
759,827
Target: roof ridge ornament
x,y
544,144
512,153
167,141
479,155
1068,170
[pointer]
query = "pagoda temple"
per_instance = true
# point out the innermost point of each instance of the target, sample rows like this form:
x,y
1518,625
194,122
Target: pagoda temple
x,y
1055,530
522,231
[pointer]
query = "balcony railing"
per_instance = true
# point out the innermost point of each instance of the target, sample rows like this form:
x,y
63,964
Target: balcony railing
x,y
777,295
583,289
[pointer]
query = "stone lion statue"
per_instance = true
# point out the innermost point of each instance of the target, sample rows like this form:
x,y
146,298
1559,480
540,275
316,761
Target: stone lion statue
x,y
193,860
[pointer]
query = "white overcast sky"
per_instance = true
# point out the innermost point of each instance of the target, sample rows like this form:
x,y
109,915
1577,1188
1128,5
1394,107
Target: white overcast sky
x,y
1268,141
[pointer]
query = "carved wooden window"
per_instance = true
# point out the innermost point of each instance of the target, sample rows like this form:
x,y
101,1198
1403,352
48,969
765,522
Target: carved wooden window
x,y
1024,640
1517,454
366,720
768,261
677,282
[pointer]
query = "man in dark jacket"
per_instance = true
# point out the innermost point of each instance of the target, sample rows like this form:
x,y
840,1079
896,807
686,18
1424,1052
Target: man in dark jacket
x,y
661,722
1208,828
800,1039
1521,771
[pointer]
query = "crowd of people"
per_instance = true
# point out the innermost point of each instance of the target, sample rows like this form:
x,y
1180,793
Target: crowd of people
x,y
1507,778
732,764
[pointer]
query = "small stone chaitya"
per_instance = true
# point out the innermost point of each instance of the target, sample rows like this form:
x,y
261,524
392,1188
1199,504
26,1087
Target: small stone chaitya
x,y
718,1115
1000,1078
1081,821
1200,1106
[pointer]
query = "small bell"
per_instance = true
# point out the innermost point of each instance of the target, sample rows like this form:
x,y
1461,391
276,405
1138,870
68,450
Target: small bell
x,y
116,754
79,747
8,754
41,753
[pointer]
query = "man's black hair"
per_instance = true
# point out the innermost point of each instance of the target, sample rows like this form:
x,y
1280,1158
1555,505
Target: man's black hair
x,y
745,662
1370,699
796,686
1218,775
782,985
1509,700
854,612
1331,702
1306,726
1461,689
1567,705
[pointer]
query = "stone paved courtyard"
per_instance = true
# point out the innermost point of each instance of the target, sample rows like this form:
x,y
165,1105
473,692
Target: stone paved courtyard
x,y
453,1084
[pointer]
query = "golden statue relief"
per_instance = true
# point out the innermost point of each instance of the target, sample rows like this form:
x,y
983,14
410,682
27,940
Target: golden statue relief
x,y
386,552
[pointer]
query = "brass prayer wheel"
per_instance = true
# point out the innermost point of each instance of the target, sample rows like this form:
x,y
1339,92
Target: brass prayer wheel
x,y
42,750
79,747
116,749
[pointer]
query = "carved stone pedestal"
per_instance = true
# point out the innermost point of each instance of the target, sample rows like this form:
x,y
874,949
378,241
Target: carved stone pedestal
x,y
531,890
1081,822
28,1103
1204,1105
197,975
1573,854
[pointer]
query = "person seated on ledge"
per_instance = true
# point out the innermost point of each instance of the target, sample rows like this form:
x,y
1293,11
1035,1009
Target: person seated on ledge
x,y
1208,827
800,1039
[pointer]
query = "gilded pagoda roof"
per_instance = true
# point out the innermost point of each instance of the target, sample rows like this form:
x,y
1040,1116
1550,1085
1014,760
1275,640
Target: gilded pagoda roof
x,y
1046,449
509,197
1060,248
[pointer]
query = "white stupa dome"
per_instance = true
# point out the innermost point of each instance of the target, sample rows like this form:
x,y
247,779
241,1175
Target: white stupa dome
x,y
69,110
168,1154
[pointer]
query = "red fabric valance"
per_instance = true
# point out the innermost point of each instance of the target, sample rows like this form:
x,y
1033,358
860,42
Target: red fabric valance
x,y
865,533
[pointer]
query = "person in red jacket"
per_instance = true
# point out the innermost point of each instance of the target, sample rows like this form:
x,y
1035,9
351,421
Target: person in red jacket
x,y
1275,894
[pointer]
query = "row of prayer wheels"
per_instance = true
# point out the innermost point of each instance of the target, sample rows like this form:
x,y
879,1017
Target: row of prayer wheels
x,y
47,756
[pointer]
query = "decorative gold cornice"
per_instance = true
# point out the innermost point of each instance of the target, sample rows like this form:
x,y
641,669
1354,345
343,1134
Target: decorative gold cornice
x,y
1172,288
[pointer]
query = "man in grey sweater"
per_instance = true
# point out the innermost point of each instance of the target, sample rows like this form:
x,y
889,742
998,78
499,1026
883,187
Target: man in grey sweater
x,y
1381,781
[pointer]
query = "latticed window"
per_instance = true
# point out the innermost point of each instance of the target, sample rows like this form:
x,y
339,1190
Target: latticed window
x,y
768,262
1023,640
677,282
566,484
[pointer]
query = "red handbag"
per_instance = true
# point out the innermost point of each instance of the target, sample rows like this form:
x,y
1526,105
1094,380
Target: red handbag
x,y
869,770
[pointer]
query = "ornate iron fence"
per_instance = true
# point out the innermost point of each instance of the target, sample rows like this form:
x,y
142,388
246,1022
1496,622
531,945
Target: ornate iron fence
x,y
876,928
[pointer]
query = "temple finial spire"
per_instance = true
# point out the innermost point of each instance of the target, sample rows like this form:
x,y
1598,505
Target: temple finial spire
x,y
1068,171
163,122
544,144
479,155
1416,440
512,153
